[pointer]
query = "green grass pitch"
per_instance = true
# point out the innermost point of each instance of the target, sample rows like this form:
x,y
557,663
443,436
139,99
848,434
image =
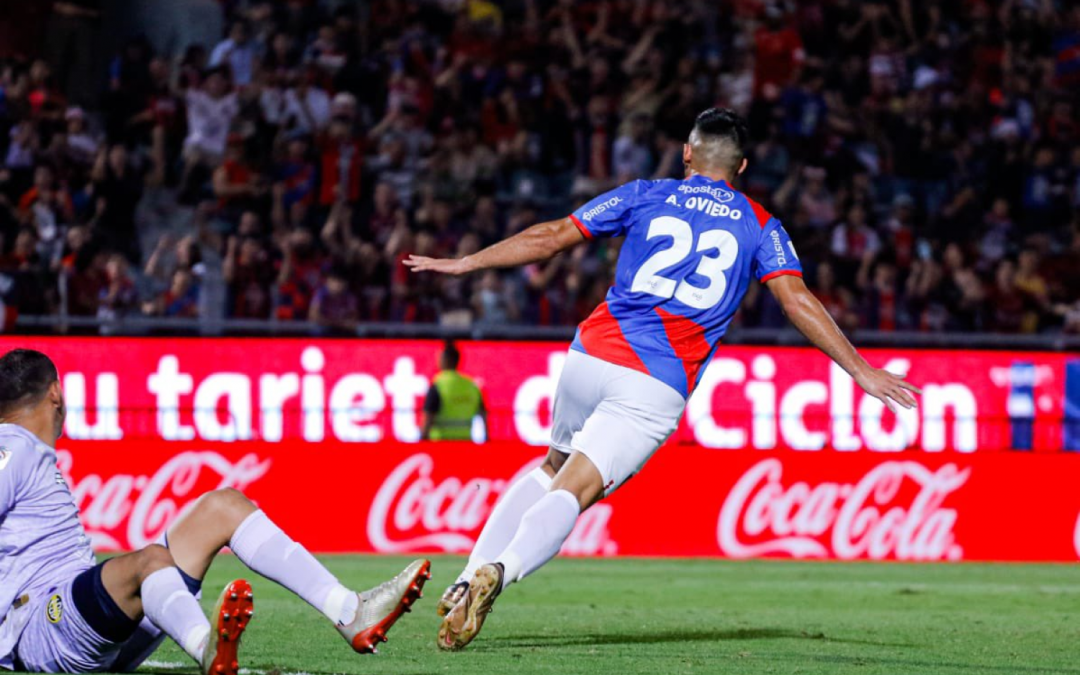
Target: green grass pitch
x,y
659,617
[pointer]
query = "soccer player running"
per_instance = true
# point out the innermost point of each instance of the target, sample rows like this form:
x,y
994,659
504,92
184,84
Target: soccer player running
x,y
59,612
690,251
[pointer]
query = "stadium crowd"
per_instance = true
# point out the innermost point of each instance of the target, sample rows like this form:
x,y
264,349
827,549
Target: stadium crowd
x,y
925,157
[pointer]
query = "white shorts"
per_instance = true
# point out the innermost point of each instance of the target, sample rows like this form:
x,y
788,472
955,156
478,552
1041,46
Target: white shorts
x,y
615,416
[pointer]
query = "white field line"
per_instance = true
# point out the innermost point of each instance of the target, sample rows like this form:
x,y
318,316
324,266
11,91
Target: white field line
x,y
176,665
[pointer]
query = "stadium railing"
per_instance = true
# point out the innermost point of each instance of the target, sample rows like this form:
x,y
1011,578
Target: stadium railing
x,y
135,326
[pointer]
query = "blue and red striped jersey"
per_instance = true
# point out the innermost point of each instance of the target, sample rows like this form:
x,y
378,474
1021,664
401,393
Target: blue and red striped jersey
x,y
691,248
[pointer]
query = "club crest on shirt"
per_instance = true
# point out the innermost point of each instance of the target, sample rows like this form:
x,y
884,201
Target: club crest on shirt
x,y
54,609
5,457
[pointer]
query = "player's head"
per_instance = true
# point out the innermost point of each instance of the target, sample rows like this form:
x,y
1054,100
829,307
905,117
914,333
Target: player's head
x,y
30,390
450,357
717,145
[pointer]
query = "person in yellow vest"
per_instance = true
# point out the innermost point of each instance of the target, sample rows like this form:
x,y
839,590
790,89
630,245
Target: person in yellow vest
x,y
452,403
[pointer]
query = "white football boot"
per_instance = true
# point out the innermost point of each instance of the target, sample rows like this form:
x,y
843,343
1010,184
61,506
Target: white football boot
x,y
462,624
383,605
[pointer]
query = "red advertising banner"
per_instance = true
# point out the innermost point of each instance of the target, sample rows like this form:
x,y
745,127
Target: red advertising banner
x,y
263,391
688,501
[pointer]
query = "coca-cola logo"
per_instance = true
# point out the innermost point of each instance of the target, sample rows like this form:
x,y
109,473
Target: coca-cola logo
x,y
126,511
865,519
413,511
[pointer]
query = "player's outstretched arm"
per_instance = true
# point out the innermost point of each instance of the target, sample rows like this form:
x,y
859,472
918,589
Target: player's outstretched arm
x,y
538,242
813,321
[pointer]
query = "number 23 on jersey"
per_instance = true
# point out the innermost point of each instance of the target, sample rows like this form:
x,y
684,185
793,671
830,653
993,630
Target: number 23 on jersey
x,y
650,279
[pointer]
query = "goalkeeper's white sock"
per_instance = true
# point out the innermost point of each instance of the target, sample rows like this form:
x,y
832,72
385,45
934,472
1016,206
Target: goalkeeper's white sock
x,y
148,637
262,546
543,530
170,605
505,519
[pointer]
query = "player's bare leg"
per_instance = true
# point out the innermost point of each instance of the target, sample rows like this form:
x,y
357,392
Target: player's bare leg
x,y
148,583
502,524
227,517
544,528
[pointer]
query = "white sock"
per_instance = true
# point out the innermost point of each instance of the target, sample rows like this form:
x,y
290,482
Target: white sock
x,y
505,519
262,546
147,637
543,530
172,608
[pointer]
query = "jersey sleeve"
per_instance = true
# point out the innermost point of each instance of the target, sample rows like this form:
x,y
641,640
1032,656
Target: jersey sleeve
x,y
14,471
608,214
776,254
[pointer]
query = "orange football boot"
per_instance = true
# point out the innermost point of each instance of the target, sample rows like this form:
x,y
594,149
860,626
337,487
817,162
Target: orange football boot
x,y
232,614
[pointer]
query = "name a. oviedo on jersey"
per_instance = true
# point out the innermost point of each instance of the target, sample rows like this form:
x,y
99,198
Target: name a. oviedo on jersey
x,y
868,518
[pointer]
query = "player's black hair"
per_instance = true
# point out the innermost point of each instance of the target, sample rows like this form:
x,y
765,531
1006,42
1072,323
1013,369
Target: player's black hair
x,y
451,356
721,139
25,377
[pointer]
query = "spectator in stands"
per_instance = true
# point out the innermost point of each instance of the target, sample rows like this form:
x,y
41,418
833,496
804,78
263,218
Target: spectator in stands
x,y
836,300
23,144
237,52
118,295
85,274
1034,289
179,300
300,273
237,185
295,180
1007,303
911,147
854,244
334,306
632,156
341,163
81,146
117,189
177,270
211,108
307,105
493,302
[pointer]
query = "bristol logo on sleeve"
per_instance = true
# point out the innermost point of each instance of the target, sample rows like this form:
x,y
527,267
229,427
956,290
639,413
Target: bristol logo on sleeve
x,y
5,457
600,208
781,258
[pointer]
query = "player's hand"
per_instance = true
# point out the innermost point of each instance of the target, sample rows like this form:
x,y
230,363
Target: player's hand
x,y
887,387
452,266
